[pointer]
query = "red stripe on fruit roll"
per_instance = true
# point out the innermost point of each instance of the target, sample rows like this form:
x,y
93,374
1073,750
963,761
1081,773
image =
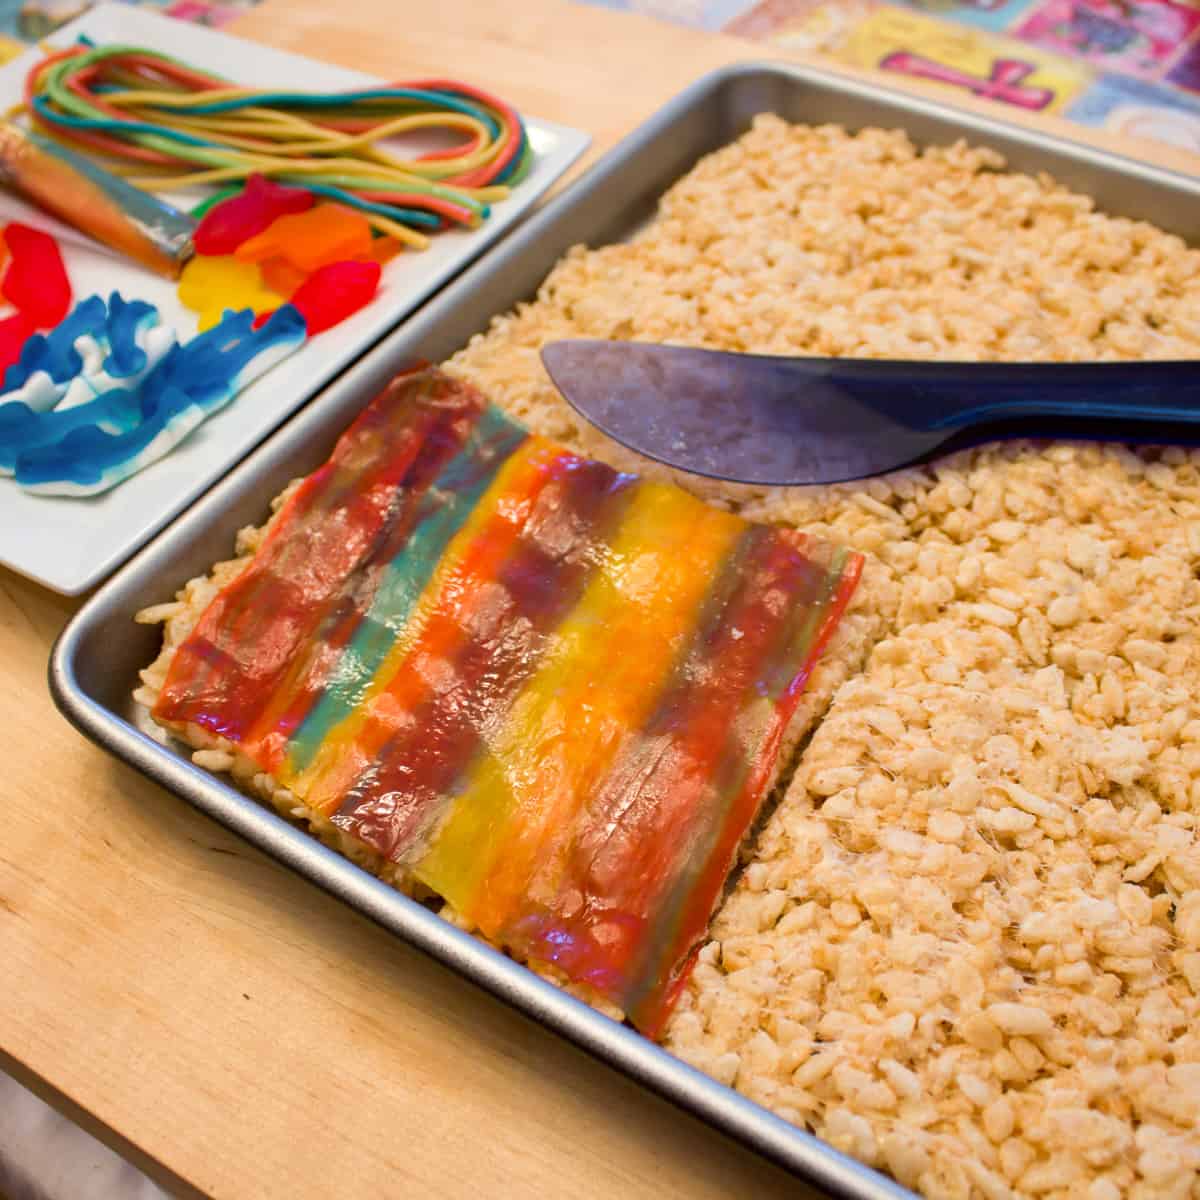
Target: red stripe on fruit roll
x,y
504,612
641,877
244,645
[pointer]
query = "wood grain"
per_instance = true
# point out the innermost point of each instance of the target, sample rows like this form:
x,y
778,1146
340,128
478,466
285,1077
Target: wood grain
x,y
232,1029
245,1035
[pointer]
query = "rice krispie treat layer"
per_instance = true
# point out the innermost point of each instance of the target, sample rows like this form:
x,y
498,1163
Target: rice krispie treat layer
x,y
967,949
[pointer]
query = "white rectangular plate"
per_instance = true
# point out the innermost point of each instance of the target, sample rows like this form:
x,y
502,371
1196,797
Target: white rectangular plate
x,y
71,544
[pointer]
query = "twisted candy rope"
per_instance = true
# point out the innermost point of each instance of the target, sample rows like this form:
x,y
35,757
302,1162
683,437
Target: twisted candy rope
x,y
166,125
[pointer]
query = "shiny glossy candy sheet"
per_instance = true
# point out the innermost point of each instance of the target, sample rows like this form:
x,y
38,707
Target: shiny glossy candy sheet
x,y
554,693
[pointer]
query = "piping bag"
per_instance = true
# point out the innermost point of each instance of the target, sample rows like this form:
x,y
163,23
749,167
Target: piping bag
x,y
106,208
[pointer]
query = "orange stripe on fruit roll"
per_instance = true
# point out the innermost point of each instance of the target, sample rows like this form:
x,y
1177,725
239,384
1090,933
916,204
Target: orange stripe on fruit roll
x,y
603,672
514,616
434,632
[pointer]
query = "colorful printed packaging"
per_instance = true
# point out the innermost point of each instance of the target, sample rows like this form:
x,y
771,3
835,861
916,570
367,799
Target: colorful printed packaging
x,y
1135,108
965,60
1133,36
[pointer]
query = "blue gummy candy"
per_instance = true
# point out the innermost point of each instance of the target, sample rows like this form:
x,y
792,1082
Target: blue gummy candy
x,y
126,318
18,426
23,430
55,352
187,384
218,363
88,456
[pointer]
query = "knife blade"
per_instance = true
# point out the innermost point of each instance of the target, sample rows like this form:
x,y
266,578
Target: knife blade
x,y
786,421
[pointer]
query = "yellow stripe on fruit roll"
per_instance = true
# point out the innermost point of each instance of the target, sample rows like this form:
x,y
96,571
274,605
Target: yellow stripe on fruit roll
x,y
352,747
599,679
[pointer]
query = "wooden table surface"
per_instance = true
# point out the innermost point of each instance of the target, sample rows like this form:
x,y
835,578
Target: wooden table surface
x,y
231,1029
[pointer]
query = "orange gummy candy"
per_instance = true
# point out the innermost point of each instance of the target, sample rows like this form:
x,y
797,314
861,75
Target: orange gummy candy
x,y
383,250
280,275
308,240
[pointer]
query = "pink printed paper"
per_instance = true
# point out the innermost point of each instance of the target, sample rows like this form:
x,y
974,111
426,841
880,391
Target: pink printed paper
x,y
1139,37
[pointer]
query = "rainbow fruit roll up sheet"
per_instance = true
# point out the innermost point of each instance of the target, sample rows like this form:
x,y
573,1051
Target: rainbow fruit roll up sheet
x,y
69,186
552,693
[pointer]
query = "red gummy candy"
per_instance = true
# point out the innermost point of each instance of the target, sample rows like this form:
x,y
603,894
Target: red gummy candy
x,y
331,293
15,331
36,280
227,225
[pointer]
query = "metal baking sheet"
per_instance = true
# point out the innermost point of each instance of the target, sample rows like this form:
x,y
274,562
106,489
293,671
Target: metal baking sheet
x,y
95,663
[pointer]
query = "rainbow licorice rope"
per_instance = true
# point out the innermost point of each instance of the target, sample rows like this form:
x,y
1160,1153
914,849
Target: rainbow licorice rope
x,y
165,125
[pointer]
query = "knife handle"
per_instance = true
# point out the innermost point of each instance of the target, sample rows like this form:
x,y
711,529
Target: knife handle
x,y
952,395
